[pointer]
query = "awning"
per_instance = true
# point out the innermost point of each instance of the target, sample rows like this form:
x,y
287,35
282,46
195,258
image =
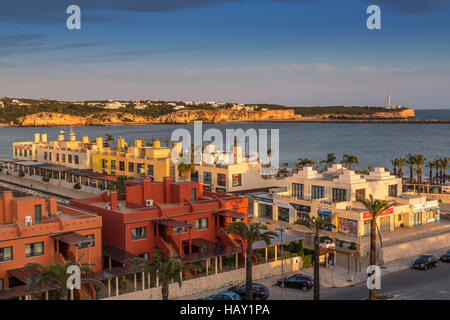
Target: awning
x,y
72,238
287,238
24,274
209,250
117,254
232,214
172,223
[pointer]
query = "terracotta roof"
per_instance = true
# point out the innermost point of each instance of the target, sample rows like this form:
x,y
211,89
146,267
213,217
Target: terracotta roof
x,y
231,214
117,254
72,238
172,223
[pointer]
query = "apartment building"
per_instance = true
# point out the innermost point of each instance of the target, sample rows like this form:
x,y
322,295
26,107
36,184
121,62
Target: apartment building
x,y
35,231
335,193
178,218
136,161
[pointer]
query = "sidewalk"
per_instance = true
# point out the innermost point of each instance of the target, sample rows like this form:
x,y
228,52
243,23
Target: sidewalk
x,y
339,277
44,187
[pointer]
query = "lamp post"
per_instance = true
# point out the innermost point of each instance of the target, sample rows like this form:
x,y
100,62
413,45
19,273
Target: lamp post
x,y
282,230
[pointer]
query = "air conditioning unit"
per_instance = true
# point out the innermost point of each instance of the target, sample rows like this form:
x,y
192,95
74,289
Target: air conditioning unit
x,y
108,207
149,203
28,221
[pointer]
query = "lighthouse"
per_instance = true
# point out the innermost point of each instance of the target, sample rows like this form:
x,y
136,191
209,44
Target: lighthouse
x,y
389,101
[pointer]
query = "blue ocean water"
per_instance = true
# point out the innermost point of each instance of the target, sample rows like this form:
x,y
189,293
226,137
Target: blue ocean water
x,y
373,144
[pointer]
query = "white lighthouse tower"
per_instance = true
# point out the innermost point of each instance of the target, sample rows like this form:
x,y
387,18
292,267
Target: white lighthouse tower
x,y
389,101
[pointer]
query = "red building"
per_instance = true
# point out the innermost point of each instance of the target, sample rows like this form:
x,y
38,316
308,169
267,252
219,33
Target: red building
x,y
178,218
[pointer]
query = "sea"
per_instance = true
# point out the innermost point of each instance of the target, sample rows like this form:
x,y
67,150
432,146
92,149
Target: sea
x,y
374,144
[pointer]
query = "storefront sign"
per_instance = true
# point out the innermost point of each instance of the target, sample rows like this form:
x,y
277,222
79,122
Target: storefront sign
x,y
368,215
431,204
418,207
323,212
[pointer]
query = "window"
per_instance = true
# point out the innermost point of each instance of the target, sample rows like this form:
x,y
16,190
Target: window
x,y
221,190
121,166
2,286
297,190
207,178
85,245
221,180
180,230
139,233
360,193
50,156
25,153
339,195
283,214
317,192
201,224
366,227
237,180
150,169
20,152
193,195
37,213
393,190
6,254
140,168
63,158
57,157
145,256
77,160
15,152
113,164
130,166
45,155
70,158
104,163
34,249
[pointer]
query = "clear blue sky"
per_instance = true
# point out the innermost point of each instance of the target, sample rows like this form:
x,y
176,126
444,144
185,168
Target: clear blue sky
x,y
292,52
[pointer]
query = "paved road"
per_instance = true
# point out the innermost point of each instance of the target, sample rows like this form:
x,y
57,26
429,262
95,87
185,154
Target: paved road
x,y
410,284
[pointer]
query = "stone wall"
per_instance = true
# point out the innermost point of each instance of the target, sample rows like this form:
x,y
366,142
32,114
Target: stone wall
x,y
215,281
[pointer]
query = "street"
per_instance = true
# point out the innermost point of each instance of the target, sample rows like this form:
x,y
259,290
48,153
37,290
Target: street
x,y
409,284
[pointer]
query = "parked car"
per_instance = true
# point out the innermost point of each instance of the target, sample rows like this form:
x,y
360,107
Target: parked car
x,y
425,261
260,292
300,281
445,257
224,295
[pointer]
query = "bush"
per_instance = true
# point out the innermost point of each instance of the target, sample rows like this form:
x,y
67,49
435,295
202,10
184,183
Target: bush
x,y
77,186
45,179
308,261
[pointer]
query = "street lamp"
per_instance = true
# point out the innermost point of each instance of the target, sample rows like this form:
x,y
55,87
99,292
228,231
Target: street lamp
x,y
282,230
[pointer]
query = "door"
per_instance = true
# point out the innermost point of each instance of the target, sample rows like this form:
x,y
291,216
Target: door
x,y
193,194
37,213
385,224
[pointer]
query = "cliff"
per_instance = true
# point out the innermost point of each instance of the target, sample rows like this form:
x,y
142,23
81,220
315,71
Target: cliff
x,y
50,119
401,114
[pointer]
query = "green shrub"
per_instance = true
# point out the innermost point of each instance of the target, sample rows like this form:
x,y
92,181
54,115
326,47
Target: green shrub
x,y
308,261
77,186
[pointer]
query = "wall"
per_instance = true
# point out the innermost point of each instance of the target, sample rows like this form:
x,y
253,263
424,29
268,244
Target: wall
x,y
214,281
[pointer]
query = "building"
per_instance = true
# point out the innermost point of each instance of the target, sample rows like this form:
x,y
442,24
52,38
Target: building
x,y
35,231
178,218
72,153
242,176
136,161
335,193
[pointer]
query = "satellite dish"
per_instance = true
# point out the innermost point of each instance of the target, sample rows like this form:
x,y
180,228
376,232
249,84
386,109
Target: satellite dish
x,y
28,221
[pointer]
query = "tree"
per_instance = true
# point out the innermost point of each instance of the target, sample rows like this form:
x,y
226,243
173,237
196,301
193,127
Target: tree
x,y
166,270
394,163
109,139
316,225
249,234
444,162
329,161
400,164
348,160
419,160
431,165
57,273
186,164
375,209
410,163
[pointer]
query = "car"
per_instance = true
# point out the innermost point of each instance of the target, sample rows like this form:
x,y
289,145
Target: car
x,y
300,281
259,291
425,261
224,295
445,257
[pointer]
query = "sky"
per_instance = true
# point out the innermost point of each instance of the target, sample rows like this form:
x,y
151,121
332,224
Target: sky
x,y
290,52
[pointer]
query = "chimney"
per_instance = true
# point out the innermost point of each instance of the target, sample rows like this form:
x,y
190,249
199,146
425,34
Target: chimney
x,y
7,206
156,144
52,206
37,137
167,183
113,199
138,143
85,139
44,138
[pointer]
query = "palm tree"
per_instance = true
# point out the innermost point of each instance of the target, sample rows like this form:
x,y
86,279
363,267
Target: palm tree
x,y
431,165
410,163
57,273
166,270
349,160
419,160
375,209
400,164
109,139
249,234
444,162
394,163
329,161
316,225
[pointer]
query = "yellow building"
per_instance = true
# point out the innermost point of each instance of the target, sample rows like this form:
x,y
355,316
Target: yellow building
x,y
136,161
